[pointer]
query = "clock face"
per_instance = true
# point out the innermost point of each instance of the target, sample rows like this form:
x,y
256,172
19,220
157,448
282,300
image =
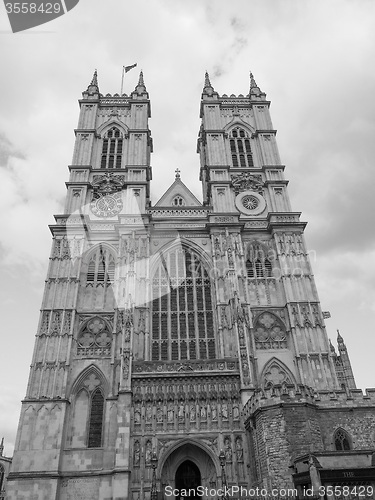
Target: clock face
x,y
106,206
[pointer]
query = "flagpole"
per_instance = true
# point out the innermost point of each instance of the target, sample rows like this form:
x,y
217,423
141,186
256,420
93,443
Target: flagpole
x,y
125,69
122,80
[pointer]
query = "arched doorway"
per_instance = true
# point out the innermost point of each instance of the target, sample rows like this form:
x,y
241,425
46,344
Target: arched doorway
x,y
188,477
189,464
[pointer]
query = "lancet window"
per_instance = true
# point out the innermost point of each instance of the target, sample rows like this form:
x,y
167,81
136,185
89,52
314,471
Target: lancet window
x,y
88,408
182,310
96,420
240,148
112,149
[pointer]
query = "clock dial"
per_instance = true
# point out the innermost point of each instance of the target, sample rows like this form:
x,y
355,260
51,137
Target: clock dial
x,y
106,206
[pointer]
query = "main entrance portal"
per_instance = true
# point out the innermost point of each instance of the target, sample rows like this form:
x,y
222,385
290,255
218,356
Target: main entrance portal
x,y
188,477
187,467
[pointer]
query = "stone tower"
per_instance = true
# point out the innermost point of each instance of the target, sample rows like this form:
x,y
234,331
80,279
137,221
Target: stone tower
x,y
162,324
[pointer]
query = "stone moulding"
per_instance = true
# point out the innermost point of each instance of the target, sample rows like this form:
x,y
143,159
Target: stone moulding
x,y
184,367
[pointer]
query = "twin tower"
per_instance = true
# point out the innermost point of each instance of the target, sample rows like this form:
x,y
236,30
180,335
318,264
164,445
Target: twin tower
x,y
180,343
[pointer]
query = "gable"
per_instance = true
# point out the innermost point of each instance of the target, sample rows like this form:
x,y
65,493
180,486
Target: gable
x,y
178,189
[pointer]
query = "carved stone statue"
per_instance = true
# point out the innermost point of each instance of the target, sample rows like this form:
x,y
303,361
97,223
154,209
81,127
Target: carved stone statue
x,y
159,414
137,454
228,450
239,450
148,453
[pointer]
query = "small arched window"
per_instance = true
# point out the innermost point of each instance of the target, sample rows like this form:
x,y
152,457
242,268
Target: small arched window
x,y
341,440
240,148
178,201
112,149
96,420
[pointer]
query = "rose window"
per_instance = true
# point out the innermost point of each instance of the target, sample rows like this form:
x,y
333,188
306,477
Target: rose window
x,y
250,202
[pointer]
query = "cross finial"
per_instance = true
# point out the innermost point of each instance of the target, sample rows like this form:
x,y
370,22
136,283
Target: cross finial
x,y
177,171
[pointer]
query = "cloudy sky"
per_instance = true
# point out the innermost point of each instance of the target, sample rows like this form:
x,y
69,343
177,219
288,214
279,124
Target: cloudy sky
x,y
313,58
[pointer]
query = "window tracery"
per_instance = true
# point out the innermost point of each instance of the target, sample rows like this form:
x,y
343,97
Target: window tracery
x,y
240,148
94,339
276,374
341,440
112,149
269,332
182,311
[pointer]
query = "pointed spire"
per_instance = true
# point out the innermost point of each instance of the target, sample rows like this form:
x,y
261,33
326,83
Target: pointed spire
x,y
254,88
253,83
2,447
94,80
207,83
93,88
340,340
208,88
141,81
140,89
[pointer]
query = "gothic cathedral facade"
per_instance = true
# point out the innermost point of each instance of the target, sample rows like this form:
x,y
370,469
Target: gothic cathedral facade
x,y
182,343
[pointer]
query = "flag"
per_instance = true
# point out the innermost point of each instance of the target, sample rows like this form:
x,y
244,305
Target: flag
x,y
128,68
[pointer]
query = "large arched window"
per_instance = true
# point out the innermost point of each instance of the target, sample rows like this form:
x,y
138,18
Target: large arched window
x,y
87,418
112,149
341,440
182,313
240,148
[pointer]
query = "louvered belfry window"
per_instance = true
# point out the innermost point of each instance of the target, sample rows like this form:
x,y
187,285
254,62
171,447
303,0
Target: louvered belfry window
x,y
112,149
101,268
240,148
182,311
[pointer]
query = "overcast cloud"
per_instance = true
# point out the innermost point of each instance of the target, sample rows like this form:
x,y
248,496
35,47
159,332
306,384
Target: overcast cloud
x,y
313,58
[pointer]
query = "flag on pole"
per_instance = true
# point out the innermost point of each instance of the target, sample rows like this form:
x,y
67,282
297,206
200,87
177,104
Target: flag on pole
x,y
125,69
128,68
